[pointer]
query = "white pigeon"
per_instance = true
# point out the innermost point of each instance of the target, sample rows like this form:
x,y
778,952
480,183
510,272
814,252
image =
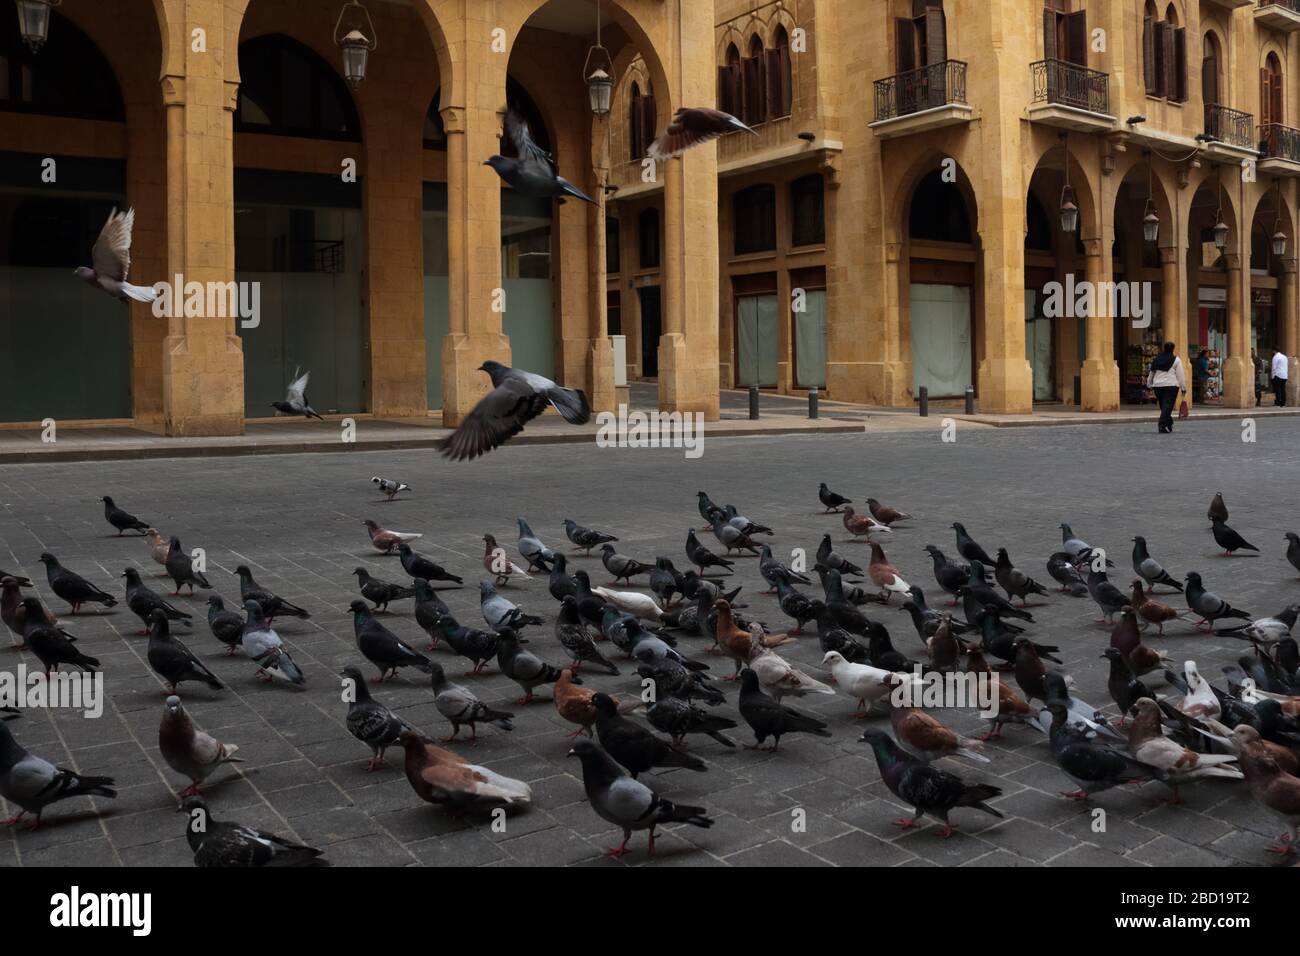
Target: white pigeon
x,y
390,488
633,602
779,677
863,682
111,258
1176,763
1199,700
1251,694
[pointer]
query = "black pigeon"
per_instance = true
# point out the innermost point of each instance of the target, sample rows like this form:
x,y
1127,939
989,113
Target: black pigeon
x,y
531,171
574,637
769,718
32,783
121,520
626,802
1109,598
675,679
381,646
523,667
370,721
951,576
829,559
692,126
798,606
429,611
1092,766
702,557
585,538
560,583
1001,643
1293,549
844,612
982,591
22,582
1064,573
50,643
71,586
478,647
928,789
881,653
967,547
1014,581
707,509
1229,540
590,605
143,601
832,637
665,581
272,605
380,592
678,717
1148,568
173,661
217,843
418,566
621,566
226,626
180,567
831,500
517,397
1207,604
1124,686
632,745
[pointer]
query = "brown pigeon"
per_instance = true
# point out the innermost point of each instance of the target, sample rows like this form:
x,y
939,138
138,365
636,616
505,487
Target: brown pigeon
x,y
189,751
693,126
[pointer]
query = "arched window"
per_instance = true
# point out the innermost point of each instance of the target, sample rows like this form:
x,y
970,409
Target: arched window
x,y
753,111
938,211
69,77
647,227
754,214
729,83
517,99
641,120
288,90
435,134
1210,70
1164,54
779,85
1270,92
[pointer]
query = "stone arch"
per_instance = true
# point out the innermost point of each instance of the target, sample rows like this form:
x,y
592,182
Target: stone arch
x,y
903,187
1048,153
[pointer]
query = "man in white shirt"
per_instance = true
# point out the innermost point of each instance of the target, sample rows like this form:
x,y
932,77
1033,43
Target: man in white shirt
x,y
1279,378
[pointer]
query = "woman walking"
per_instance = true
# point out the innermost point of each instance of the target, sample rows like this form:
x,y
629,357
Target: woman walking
x,y
1166,380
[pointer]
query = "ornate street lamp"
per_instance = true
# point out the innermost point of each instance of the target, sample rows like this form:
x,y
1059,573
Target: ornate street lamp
x,y
34,21
598,74
1069,208
1279,237
356,44
1150,221
1220,227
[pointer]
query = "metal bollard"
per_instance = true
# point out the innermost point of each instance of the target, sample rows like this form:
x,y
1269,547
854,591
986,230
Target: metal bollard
x,y
1078,391
970,400
812,402
753,403
925,402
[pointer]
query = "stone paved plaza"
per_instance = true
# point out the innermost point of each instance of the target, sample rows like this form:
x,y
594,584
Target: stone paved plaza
x,y
296,520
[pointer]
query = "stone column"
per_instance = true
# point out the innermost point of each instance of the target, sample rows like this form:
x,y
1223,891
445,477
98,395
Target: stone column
x,y
474,294
1289,328
203,361
1238,374
1099,376
1006,379
600,354
1173,321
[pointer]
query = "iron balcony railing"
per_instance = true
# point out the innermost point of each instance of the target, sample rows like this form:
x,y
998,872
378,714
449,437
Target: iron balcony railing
x,y
1069,84
1292,5
1279,142
939,84
1229,126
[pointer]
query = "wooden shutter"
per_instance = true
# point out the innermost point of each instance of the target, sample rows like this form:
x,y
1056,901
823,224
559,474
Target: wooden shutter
x,y
1276,98
724,102
733,89
905,45
1076,37
753,90
775,82
787,79
648,121
1171,68
1049,35
936,36
1265,96
1162,65
1180,65
1149,55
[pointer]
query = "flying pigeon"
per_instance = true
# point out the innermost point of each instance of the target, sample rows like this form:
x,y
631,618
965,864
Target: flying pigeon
x,y
460,706
531,171
387,541
295,397
390,488
626,802
218,843
180,567
693,126
517,397
173,661
122,520
370,721
32,783
111,260
188,751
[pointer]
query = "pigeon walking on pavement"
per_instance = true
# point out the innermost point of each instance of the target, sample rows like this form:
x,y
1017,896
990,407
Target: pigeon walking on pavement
x,y
263,646
538,555
523,667
584,539
1229,540
1148,568
222,844
460,706
768,717
51,644
968,548
702,557
517,397
636,748
180,567
122,520
572,633
272,605
831,500
32,783
418,566
389,487
441,777
143,601
381,646
1207,604
368,720
378,592
387,541
500,612
188,750
621,566
173,661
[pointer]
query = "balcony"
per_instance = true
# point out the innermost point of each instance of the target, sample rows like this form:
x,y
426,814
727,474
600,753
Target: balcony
x,y
919,100
1229,134
1070,96
1279,149
1231,4
1281,15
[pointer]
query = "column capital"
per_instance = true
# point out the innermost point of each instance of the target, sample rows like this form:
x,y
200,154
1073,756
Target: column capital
x,y
1288,265
231,90
173,90
1168,255
1093,248
453,119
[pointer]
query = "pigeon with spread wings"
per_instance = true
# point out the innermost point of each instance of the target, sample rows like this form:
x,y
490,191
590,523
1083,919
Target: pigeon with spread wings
x,y
295,397
694,126
111,260
517,397
531,171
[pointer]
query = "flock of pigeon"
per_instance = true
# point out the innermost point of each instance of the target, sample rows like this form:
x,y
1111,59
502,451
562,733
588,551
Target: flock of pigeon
x,y
643,619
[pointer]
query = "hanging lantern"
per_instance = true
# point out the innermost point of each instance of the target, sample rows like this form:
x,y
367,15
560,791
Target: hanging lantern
x,y
34,21
1279,237
1279,243
356,44
1150,223
1069,211
598,74
1220,231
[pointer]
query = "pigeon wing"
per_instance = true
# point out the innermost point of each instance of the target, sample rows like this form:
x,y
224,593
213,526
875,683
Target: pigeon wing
x,y
516,129
296,394
498,417
692,127
111,255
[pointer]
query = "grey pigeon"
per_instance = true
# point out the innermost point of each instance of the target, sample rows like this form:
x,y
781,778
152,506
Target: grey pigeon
x,y
585,538
390,488
181,568
110,259
571,631
732,537
460,706
295,397
173,661
32,784
370,721
380,592
1207,604
1148,568
189,751
272,604
531,171
523,667
621,566
501,612
517,397
263,646
625,802
217,843
538,555
143,601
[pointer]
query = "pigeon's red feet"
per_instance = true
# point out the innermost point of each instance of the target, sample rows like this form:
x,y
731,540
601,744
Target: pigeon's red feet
x,y
906,823
447,740
579,731
992,733
1284,849
617,851
1075,794
526,699
947,831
